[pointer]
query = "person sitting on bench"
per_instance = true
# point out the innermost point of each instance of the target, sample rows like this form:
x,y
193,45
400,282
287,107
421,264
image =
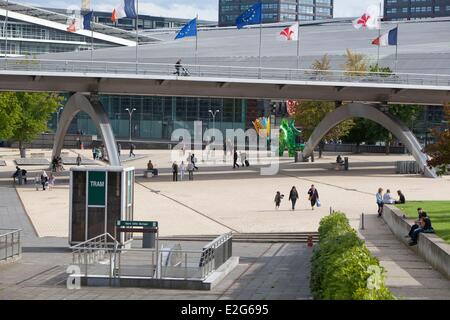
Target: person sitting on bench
x,y
416,223
151,168
424,226
339,160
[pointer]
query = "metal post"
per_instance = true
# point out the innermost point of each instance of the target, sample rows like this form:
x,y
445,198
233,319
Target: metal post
x,y
130,112
137,35
362,221
5,32
260,40
185,266
298,45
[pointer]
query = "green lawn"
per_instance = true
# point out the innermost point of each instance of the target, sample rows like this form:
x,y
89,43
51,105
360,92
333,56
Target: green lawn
x,y
438,211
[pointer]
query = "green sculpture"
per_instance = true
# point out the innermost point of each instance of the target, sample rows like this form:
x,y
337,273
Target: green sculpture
x,y
288,135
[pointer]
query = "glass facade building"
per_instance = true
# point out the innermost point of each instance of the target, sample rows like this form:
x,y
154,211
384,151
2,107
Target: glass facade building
x,y
277,10
396,10
157,117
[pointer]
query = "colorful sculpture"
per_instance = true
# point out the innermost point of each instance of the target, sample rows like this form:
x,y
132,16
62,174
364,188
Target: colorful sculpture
x,y
262,127
288,135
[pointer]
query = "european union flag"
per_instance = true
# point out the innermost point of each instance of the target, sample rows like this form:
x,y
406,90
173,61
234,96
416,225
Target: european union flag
x,y
130,9
253,15
189,30
87,20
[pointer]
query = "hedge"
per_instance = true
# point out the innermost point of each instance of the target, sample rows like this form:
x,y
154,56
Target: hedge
x,y
342,268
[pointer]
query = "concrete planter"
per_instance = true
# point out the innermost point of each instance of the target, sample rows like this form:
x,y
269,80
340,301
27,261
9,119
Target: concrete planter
x,y
430,247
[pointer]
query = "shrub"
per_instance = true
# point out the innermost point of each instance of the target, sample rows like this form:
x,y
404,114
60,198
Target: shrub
x,y
342,268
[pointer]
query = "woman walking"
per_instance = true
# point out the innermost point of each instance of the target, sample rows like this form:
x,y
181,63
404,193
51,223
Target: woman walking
x,y
380,203
293,196
182,170
313,196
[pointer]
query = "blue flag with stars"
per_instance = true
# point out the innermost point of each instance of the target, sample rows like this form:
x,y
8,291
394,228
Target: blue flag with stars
x,y
189,30
253,15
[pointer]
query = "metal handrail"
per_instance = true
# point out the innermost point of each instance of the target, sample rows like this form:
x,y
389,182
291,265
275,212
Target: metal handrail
x,y
14,248
263,72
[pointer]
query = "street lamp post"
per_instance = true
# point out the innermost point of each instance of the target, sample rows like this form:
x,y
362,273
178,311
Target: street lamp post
x,y
130,112
214,113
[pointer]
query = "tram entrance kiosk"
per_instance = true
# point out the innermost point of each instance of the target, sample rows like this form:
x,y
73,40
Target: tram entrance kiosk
x,y
99,197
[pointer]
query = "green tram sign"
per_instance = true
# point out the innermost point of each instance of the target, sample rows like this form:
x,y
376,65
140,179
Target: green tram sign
x,y
96,189
142,224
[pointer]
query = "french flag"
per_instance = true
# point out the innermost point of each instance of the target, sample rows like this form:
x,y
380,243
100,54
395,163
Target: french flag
x,y
126,8
387,39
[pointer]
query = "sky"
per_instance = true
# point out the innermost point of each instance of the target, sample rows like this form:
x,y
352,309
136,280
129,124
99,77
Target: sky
x,y
206,9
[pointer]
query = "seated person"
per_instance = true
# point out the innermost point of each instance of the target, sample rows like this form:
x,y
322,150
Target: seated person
x,y
387,198
23,172
424,226
151,168
416,222
339,159
16,174
401,198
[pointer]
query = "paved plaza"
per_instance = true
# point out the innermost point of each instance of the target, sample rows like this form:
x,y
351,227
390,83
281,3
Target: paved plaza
x,y
219,200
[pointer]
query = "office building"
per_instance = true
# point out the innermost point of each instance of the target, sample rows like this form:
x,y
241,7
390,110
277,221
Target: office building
x,y
397,10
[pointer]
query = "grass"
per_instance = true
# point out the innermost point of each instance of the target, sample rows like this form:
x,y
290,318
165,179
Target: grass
x,y
438,211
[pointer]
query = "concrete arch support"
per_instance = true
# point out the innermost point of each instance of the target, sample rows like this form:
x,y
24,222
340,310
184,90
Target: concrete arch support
x,y
93,107
359,110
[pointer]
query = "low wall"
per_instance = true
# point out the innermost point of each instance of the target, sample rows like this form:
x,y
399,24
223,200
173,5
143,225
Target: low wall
x,y
45,141
430,247
347,148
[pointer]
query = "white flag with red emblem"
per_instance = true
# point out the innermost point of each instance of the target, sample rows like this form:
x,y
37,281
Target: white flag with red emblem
x,y
290,33
370,19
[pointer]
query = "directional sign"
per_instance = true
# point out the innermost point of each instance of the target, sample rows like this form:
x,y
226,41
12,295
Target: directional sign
x,y
143,224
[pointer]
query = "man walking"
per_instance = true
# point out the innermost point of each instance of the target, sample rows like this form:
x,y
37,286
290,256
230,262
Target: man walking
x,y
235,160
132,147
175,171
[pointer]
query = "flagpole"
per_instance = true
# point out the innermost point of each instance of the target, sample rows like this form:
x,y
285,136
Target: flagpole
x,y
260,38
137,34
92,36
379,35
196,41
396,52
298,44
5,29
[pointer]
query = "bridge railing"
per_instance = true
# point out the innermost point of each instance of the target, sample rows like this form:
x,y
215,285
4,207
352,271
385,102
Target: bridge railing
x,y
87,67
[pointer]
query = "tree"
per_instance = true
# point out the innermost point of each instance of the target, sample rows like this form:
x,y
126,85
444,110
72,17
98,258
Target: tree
x,y
356,64
9,114
440,150
322,65
309,114
35,112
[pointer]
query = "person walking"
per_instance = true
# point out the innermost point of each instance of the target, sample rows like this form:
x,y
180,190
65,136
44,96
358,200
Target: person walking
x,y
235,160
132,147
182,170
51,181
293,196
190,169
119,148
193,161
175,171
94,153
380,203
178,67
278,198
78,160
44,180
313,196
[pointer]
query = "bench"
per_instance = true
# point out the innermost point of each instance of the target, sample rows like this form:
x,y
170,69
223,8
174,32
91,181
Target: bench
x,y
337,166
64,154
153,172
38,155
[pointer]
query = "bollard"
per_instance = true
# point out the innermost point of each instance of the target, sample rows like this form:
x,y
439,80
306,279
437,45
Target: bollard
x,y
362,221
